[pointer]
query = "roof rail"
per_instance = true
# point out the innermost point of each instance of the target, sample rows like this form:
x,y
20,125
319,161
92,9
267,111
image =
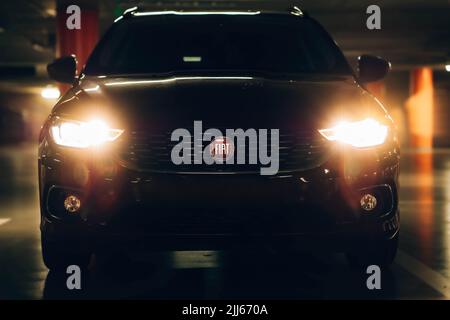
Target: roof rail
x,y
295,10
130,11
127,13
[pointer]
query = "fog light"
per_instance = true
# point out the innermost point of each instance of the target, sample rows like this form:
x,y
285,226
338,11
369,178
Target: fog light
x,y
72,204
368,202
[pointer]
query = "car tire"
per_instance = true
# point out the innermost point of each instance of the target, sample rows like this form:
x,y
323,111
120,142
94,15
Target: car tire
x,y
381,253
57,257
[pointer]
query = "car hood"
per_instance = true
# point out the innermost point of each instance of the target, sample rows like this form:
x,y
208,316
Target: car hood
x,y
220,102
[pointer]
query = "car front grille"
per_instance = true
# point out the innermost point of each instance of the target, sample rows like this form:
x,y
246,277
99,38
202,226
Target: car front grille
x,y
152,152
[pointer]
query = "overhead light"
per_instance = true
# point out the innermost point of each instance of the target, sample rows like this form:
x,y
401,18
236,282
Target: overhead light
x,y
447,67
50,93
192,59
51,12
37,47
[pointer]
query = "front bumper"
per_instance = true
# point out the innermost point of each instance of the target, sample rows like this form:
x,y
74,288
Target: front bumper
x,y
121,205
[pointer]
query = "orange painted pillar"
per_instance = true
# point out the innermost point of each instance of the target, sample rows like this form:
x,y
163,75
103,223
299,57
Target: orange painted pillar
x,y
79,42
419,107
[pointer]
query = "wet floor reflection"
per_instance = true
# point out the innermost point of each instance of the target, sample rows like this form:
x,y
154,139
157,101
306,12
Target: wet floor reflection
x,y
217,275
424,205
423,164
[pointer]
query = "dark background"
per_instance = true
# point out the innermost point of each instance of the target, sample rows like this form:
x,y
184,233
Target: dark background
x,y
414,34
415,37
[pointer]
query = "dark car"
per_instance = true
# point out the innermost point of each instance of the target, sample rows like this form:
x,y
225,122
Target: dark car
x,y
125,155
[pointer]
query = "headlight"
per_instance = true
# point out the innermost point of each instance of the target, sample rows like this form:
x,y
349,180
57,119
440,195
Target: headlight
x,y
77,134
360,134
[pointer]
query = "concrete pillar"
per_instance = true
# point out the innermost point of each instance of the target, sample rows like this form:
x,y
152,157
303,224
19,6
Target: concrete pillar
x,y
419,108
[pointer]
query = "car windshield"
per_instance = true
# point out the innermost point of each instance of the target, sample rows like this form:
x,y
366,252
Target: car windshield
x,y
267,43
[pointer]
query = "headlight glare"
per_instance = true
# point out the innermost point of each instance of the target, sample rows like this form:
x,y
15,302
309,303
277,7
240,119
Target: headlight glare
x,y
80,134
359,134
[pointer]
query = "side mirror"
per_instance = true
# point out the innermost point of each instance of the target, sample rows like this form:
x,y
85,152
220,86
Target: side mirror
x,y
372,68
63,69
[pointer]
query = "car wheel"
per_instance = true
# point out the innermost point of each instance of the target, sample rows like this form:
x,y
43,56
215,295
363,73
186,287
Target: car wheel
x,y
381,253
56,256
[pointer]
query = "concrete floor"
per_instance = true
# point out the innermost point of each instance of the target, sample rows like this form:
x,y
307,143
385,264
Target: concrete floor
x,y
421,269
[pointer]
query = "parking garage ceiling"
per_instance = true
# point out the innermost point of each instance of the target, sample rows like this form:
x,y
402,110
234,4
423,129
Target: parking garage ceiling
x,y
413,32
